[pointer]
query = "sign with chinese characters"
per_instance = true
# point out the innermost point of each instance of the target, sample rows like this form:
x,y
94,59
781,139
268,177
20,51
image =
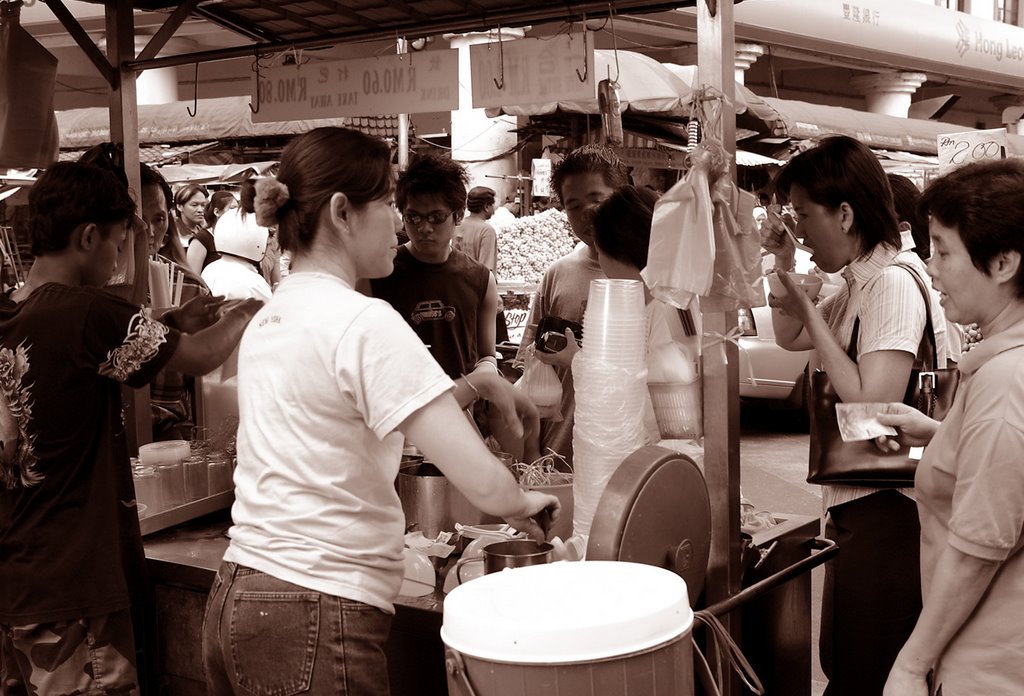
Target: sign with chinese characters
x,y
407,84
924,37
532,71
540,172
958,149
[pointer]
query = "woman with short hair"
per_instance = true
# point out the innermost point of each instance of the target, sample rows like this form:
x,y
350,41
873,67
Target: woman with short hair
x,y
970,481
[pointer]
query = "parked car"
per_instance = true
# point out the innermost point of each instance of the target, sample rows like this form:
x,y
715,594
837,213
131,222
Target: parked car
x,y
766,371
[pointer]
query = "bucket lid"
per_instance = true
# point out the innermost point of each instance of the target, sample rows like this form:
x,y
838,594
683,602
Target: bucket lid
x,y
566,612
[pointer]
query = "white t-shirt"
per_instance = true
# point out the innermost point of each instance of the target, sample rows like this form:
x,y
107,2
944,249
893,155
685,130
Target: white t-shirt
x,y
236,279
325,376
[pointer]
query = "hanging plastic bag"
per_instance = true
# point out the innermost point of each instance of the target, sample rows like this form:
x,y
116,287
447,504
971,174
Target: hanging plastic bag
x,y
541,384
737,271
681,254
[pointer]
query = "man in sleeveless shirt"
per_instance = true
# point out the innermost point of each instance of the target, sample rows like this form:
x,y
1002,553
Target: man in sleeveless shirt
x,y
447,297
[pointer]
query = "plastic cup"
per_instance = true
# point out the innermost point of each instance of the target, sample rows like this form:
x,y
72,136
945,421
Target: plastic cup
x,y
172,484
219,473
147,489
611,296
197,484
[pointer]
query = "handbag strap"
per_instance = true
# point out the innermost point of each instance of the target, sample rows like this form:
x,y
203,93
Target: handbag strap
x,y
929,327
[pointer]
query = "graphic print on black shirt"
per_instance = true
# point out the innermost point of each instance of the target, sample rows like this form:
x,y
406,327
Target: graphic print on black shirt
x,y
17,460
69,532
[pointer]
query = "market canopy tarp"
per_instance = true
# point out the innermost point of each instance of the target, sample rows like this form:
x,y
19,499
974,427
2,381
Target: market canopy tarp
x,y
213,173
222,118
802,120
645,86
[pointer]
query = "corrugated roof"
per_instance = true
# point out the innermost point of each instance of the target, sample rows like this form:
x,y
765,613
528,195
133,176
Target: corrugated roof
x,y
334,21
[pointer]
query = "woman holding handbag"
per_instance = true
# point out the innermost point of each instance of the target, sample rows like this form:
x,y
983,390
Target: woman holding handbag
x,y
970,481
867,336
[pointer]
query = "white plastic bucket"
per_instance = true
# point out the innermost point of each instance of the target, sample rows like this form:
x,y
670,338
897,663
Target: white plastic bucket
x,y
570,629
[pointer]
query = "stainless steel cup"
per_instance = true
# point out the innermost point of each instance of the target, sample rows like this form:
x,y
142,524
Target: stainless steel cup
x,y
516,553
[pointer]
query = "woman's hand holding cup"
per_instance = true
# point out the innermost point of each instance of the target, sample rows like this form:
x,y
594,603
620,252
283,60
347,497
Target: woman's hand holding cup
x,y
776,240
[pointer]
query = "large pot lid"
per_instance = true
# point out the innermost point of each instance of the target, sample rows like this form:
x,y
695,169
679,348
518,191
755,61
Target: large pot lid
x,y
655,510
566,612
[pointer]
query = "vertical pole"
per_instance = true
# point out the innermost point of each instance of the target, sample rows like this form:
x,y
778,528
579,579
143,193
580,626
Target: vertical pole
x,y
124,128
403,120
715,69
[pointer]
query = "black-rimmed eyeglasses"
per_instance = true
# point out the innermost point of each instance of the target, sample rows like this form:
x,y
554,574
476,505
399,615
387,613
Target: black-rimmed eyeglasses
x,y
435,218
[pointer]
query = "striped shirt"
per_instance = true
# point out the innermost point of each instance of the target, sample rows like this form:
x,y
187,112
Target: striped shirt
x,y
892,317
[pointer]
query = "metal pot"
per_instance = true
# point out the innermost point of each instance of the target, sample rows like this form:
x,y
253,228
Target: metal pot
x,y
432,503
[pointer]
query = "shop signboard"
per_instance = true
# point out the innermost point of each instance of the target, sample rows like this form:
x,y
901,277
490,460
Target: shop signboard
x,y
958,149
408,84
533,71
540,172
913,35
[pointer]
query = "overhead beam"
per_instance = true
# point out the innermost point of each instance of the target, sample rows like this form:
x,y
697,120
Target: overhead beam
x,y
167,29
413,28
84,41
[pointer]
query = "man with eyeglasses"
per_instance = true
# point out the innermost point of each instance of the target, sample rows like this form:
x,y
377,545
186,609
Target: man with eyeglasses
x,y
448,298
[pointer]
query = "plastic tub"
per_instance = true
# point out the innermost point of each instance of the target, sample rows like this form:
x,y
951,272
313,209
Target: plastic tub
x,y
570,629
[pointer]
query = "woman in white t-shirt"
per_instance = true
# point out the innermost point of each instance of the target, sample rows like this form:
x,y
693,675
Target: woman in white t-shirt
x,y
329,383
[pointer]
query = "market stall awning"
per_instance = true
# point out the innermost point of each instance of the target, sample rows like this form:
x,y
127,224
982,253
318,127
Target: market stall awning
x,y
214,173
645,86
802,120
223,118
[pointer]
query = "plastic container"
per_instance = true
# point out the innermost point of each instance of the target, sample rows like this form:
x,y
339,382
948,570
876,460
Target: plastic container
x,y
612,628
164,452
677,408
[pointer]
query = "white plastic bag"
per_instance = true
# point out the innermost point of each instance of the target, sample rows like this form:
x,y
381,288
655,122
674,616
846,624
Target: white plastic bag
x,y
681,254
541,384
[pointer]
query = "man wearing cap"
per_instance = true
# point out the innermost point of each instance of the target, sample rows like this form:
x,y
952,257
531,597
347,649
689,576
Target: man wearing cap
x,y
474,236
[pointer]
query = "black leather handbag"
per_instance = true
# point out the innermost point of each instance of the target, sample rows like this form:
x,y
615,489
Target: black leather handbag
x,y
930,390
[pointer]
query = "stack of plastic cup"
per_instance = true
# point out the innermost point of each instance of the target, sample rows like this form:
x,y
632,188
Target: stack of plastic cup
x,y
167,457
197,483
147,489
219,473
610,379
614,325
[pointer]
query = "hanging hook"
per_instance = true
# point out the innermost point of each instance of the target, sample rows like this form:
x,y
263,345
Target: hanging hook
x,y
615,43
195,96
259,85
501,63
586,63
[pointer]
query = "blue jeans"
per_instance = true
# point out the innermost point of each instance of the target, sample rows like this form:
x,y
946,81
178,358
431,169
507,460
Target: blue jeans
x,y
266,637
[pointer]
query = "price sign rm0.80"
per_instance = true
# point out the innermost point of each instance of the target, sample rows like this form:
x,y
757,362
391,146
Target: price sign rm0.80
x,y
958,149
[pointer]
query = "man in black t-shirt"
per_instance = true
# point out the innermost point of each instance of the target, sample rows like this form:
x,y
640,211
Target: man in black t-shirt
x,y
72,558
448,298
